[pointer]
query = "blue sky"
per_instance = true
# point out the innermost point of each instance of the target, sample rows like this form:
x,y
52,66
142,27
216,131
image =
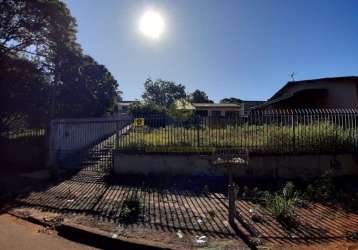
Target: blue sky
x,y
240,48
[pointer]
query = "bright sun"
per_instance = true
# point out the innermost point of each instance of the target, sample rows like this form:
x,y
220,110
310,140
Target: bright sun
x,y
151,24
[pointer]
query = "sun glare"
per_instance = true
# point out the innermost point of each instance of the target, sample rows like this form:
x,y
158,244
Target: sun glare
x,y
151,24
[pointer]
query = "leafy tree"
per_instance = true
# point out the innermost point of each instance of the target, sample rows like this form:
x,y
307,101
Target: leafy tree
x,y
163,93
44,32
142,109
180,114
36,28
231,100
23,95
87,88
20,26
199,96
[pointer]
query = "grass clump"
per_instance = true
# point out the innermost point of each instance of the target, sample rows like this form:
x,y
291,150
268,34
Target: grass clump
x,y
131,210
282,203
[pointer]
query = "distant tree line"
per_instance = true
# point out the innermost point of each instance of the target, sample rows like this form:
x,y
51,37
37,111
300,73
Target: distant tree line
x,y
160,95
44,73
231,100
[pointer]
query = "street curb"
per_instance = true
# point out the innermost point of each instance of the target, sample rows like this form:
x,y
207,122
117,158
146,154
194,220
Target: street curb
x,y
93,237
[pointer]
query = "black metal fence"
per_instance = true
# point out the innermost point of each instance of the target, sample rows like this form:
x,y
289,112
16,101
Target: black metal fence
x,y
23,133
277,132
23,148
88,143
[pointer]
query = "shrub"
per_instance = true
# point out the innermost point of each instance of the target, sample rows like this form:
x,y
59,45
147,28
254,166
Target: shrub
x,y
205,189
131,209
323,189
256,241
353,236
253,194
182,114
282,204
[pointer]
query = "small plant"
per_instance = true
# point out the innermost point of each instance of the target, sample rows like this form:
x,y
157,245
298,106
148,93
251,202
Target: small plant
x,y
282,204
205,189
212,213
256,241
353,236
252,194
254,212
131,209
323,189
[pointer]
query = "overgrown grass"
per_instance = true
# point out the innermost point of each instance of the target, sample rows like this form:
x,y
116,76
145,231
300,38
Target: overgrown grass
x,y
23,133
317,137
282,203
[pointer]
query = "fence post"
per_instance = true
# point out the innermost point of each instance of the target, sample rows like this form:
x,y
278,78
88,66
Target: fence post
x,y
52,151
231,197
198,131
293,131
117,135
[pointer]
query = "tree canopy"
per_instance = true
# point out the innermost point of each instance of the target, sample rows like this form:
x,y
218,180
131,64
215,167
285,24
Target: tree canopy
x,y
233,100
23,94
36,28
42,64
199,97
87,89
163,93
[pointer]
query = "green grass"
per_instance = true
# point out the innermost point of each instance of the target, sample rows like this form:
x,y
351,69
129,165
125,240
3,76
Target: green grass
x,y
24,133
316,137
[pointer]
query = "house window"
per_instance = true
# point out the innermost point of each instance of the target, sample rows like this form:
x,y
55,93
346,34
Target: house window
x,y
232,113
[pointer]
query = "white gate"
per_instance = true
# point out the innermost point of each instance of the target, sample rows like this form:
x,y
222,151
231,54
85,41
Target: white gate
x,y
85,143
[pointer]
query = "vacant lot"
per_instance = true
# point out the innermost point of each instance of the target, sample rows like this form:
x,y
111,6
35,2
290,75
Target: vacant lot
x,y
317,137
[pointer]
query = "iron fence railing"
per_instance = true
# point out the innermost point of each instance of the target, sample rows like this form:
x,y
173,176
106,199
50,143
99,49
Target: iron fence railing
x,y
23,133
89,142
275,131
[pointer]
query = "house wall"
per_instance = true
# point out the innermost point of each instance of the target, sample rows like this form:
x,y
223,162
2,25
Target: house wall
x,y
221,110
341,93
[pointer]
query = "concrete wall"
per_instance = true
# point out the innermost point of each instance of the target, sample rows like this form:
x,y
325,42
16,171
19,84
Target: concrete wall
x,y
300,166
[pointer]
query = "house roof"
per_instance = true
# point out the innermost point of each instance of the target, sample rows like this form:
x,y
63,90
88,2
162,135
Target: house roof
x,y
126,103
183,105
291,83
216,105
288,96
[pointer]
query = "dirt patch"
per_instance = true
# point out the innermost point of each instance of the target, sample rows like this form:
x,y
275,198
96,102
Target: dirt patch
x,y
19,234
6,218
329,246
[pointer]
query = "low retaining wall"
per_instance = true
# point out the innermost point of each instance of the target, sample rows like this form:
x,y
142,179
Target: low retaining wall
x,y
265,166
